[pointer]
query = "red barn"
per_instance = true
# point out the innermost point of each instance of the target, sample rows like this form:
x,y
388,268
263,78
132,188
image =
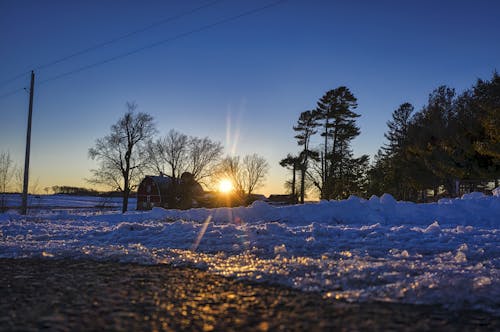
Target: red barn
x,y
154,191
163,191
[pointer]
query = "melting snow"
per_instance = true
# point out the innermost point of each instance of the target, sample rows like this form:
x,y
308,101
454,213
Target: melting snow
x,y
444,253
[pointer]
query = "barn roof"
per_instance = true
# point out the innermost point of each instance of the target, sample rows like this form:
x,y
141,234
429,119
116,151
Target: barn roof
x,y
162,181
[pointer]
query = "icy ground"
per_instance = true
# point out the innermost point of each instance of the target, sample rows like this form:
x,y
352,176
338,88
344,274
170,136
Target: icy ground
x,y
445,253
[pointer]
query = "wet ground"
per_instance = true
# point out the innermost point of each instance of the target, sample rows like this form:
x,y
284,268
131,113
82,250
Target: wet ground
x,y
65,295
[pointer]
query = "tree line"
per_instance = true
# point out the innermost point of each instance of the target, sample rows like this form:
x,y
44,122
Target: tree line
x,y
452,144
132,149
71,190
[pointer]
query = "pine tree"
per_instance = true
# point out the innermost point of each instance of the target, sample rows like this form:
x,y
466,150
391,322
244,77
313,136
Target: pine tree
x,y
378,175
396,163
336,111
305,128
398,129
431,144
452,140
487,101
294,164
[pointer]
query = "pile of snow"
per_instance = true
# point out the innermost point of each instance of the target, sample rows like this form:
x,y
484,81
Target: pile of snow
x,y
444,253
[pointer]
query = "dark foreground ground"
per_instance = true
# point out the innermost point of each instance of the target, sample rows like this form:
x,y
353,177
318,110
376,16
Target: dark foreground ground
x,y
63,295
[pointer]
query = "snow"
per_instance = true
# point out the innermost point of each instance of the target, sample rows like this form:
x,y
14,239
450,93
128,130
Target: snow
x,y
65,201
445,253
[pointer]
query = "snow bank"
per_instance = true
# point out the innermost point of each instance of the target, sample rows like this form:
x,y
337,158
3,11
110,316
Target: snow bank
x,y
444,253
474,208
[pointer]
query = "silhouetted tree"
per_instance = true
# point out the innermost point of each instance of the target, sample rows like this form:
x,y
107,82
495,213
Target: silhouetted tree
x,y
305,128
453,139
246,174
122,154
6,169
486,96
169,154
69,190
255,168
292,163
6,172
432,138
398,129
177,153
230,168
336,111
203,156
393,155
355,178
378,182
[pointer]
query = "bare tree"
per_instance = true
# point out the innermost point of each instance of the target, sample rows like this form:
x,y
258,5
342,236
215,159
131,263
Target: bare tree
x,y
175,154
168,154
203,156
247,174
18,179
122,154
6,172
231,168
255,168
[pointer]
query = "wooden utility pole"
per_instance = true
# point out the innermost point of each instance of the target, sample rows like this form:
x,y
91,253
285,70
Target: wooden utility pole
x,y
24,207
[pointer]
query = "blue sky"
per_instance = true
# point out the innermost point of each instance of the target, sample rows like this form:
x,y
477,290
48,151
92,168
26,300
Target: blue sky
x,y
243,83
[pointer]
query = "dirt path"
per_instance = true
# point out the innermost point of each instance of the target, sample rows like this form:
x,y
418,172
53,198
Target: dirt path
x,y
63,295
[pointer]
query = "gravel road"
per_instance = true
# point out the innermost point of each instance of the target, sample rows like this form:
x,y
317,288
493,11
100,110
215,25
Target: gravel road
x,y
67,295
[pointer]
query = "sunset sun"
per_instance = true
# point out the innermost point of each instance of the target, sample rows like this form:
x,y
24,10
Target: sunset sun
x,y
225,186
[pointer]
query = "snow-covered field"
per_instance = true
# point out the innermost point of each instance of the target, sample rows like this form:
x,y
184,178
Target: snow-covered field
x,y
66,201
445,253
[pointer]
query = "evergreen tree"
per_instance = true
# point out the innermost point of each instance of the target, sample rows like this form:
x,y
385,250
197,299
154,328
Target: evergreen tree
x,y
356,177
305,128
452,140
294,164
377,175
395,161
487,102
398,129
430,136
335,109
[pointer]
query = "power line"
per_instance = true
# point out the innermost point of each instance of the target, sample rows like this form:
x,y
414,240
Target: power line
x,y
113,40
155,24
164,41
15,78
11,93
158,43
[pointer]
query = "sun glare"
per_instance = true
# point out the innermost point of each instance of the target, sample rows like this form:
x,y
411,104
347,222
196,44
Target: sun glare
x,y
225,186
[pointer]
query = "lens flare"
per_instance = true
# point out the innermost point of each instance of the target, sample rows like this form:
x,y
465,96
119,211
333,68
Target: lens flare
x,y
201,233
